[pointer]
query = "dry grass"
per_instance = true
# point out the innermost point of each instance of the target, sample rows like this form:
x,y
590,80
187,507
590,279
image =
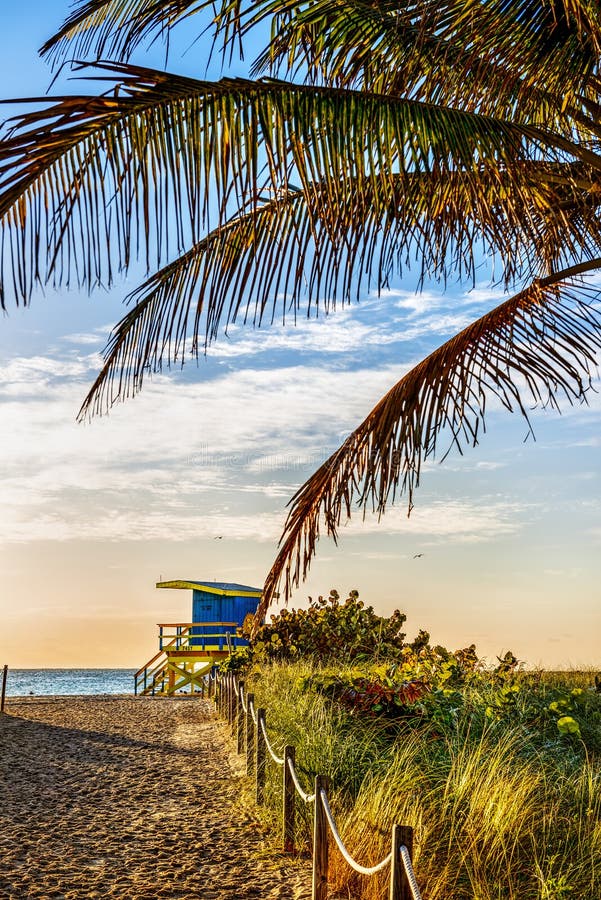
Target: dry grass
x,y
500,812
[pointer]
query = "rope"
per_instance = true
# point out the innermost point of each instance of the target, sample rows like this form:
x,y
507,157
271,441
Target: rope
x,y
279,760
363,870
308,798
410,873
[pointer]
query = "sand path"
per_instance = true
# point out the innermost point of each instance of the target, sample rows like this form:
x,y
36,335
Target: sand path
x,y
129,798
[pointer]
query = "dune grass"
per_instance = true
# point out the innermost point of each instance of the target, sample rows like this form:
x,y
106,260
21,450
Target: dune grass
x,y
504,805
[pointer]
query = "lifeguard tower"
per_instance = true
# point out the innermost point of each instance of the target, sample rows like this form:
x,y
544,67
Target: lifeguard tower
x,y
188,650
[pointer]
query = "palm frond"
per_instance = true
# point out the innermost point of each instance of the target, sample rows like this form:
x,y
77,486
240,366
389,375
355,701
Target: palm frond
x,y
553,45
537,347
113,29
437,52
216,273
528,58
88,181
295,250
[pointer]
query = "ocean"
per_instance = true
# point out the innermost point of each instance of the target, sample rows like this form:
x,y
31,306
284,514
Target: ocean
x,y
41,682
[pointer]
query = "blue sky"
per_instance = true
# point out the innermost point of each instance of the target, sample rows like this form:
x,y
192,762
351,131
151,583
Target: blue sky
x,y
93,515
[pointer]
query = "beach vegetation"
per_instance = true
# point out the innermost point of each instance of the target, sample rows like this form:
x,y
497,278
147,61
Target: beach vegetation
x,y
496,766
329,628
504,798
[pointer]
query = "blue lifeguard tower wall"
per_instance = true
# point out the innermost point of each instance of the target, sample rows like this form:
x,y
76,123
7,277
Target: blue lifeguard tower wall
x,y
218,601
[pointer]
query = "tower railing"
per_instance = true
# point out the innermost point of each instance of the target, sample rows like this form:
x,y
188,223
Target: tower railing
x,y
192,639
193,635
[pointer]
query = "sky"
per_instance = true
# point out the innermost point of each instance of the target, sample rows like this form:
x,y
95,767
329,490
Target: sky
x,y
191,478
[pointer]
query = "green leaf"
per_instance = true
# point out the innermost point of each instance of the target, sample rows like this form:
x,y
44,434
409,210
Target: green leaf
x,y
568,725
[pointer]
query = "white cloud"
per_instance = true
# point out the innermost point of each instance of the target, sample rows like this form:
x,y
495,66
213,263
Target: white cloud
x,y
423,302
126,524
171,445
485,294
40,371
84,338
457,521
139,473
574,572
416,303
337,333
374,322
592,441
595,535
133,516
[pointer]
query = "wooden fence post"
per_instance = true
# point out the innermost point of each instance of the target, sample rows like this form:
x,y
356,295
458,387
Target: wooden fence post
x,y
235,706
250,735
240,718
211,684
404,836
396,865
288,801
4,678
232,703
319,889
260,749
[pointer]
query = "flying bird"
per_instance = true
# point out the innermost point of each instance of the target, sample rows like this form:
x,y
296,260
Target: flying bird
x,y
417,555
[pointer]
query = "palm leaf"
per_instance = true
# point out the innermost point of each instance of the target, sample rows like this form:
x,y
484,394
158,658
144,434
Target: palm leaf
x,y
536,347
224,265
87,180
522,58
286,252
113,29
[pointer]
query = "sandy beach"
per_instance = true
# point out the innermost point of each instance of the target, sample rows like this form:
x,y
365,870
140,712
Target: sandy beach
x,y
130,798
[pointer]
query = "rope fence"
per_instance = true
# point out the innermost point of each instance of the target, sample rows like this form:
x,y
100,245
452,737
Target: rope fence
x,y
306,798
278,760
250,727
363,870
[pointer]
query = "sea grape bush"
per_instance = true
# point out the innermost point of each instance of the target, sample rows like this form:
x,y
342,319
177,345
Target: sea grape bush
x,y
422,685
377,693
418,694
361,663
549,710
331,629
